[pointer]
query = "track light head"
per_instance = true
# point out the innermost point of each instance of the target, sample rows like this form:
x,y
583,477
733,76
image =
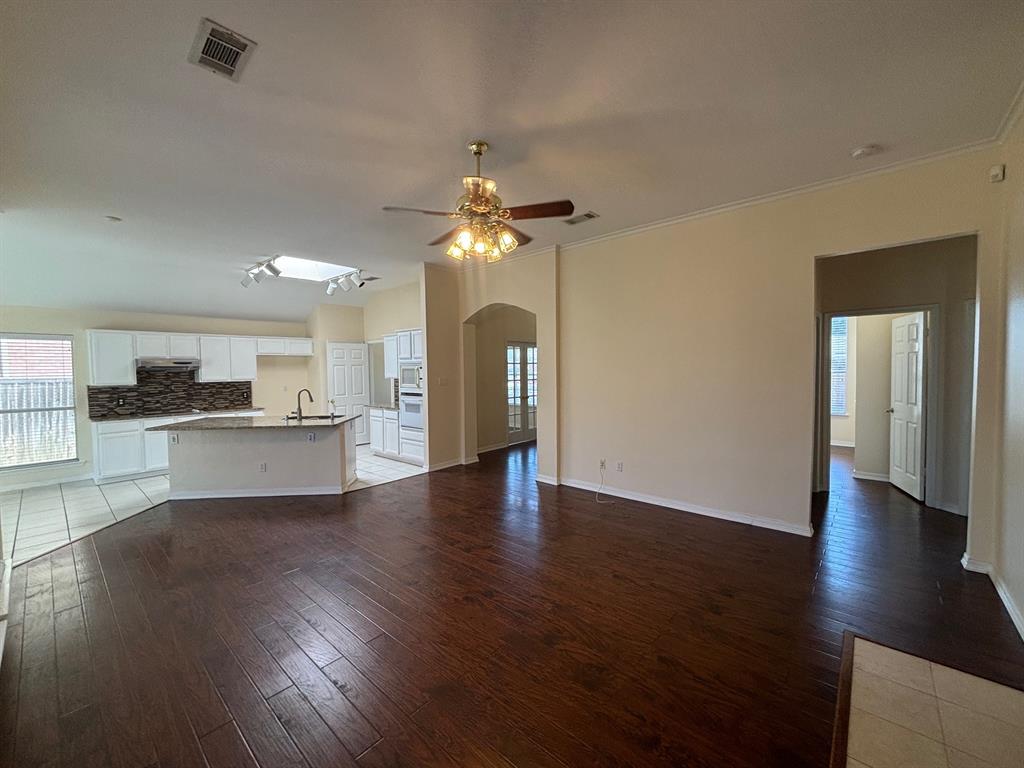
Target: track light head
x,y
272,269
346,283
259,275
246,279
357,280
332,288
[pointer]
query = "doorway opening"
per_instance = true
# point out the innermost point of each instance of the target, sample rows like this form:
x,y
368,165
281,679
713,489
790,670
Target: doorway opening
x,y
895,370
502,370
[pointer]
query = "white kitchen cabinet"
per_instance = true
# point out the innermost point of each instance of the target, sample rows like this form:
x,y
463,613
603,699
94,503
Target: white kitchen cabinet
x,y
214,358
376,430
391,433
112,358
242,351
271,346
118,449
404,346
411,444
183,345
417,345
299,347
391,356
151,345
154,444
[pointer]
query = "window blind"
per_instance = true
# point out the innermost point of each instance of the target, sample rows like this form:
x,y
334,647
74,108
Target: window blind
x,y
839,365
37,400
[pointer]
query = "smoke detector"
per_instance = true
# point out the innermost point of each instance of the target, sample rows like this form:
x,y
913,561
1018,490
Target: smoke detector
x,y
220,50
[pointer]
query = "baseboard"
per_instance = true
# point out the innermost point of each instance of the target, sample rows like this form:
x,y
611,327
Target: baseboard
x,y
736,517
5,588
444,465
546,479
870,476
241,493
472,460
948,507
842,444
493,447
133,476
1016,615
41,483
977,566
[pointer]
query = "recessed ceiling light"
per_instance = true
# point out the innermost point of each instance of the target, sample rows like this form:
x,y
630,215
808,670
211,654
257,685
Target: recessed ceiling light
x,y
115,219
308,269
865,150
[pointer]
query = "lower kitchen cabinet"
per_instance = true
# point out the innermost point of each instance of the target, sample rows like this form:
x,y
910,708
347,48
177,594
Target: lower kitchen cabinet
x,y
391,432
391,440
376,430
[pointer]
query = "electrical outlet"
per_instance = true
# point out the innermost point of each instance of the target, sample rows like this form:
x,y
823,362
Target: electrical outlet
x,y
121,401
263,466
618,467
174,439
311,437
603,464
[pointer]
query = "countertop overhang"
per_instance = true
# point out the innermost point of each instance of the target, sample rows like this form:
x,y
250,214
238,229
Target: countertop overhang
x,y
251,422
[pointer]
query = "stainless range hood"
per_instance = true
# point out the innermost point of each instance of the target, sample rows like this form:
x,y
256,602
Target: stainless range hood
x,y
168,363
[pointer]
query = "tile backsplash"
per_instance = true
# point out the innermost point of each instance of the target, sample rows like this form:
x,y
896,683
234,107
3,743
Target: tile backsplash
x,y
163,393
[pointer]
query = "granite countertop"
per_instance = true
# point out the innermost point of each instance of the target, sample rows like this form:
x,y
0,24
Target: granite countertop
x,y
168,414
250,422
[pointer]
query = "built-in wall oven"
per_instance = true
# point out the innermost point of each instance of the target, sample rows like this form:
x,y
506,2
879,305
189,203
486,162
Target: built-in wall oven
x,y
410,410
410,377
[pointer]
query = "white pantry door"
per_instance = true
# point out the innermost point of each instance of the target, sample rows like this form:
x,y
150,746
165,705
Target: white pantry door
x,y
348,384
906,413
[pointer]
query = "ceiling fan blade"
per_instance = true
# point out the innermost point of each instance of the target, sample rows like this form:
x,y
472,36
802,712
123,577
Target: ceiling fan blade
x,y
446,236
542,210
419,210
521,237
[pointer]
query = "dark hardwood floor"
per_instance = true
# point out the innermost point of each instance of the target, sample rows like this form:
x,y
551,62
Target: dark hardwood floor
x,y
472,617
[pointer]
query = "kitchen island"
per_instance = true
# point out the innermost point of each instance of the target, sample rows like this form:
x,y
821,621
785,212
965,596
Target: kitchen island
x,y
230,457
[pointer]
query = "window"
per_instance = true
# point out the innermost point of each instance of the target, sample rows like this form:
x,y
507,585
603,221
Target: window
x,y
839,365
37,400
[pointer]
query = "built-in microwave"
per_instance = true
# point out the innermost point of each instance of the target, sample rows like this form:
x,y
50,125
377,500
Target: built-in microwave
x,y
410,377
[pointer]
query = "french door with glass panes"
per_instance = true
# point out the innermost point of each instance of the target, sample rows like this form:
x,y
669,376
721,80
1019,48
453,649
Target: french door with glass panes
x,y
521,391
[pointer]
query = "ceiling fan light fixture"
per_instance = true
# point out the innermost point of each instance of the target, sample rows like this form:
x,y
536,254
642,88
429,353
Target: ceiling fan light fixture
x,y
493,255
465,239
507,241
456,252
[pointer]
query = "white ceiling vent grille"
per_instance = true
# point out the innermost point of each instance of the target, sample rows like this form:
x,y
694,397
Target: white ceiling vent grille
x,y
220,50
580,218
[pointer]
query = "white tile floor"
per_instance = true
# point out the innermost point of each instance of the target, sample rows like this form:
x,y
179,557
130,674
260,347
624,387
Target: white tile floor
x,y
375,470
39,520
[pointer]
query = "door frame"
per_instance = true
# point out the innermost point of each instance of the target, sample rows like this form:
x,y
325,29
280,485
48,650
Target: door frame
x,y
327,380
524,365
933,393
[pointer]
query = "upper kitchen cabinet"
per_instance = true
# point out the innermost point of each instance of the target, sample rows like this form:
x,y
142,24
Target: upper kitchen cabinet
x,y
183,345
243,358
152,345
405,346
391,356
111,358
214,358
280,345
417,345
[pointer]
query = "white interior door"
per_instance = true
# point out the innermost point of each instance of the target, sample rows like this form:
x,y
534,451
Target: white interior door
x,y
348,384
906,412
521,391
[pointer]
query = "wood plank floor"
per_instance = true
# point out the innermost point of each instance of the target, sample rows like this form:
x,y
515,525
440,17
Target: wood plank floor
x,y
472,617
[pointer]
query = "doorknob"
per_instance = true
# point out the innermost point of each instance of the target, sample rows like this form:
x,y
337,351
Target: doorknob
x,y
889,410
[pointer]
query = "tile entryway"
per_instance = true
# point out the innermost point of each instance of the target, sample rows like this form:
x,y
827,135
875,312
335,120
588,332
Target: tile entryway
x,y
375,470
908,711
38,520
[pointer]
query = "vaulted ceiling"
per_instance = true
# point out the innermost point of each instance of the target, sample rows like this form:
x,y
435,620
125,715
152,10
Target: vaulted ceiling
x,y
637,110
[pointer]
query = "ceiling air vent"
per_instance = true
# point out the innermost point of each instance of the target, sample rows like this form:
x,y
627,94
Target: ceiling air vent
x,y
580,218
220,50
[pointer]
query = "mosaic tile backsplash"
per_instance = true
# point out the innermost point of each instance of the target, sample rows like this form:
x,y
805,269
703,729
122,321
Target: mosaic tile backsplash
x,y
165,393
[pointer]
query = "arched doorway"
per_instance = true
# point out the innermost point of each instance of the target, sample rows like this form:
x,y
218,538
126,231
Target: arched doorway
x,y
502,374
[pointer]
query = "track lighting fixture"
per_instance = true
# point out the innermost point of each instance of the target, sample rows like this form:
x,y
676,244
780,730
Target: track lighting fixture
x,y
259,275
332,287
346,283
272,268
247,279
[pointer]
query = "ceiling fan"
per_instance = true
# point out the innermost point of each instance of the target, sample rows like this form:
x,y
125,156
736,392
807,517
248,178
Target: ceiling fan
x,y
485,230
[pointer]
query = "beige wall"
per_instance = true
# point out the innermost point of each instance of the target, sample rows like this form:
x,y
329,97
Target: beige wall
x,y
330,322
443,366
496,326
654,371
392,310
77,322
278,381
844,430
874,346
941,272
1009,574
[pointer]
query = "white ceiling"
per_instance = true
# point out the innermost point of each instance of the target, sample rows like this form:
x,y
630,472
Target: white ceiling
x,y
639,111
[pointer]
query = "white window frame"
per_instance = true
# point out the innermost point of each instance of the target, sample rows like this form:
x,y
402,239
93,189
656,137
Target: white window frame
x,y
841,376
72,407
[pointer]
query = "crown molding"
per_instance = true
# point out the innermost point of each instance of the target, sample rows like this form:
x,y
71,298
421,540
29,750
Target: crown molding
x,y
1013,114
